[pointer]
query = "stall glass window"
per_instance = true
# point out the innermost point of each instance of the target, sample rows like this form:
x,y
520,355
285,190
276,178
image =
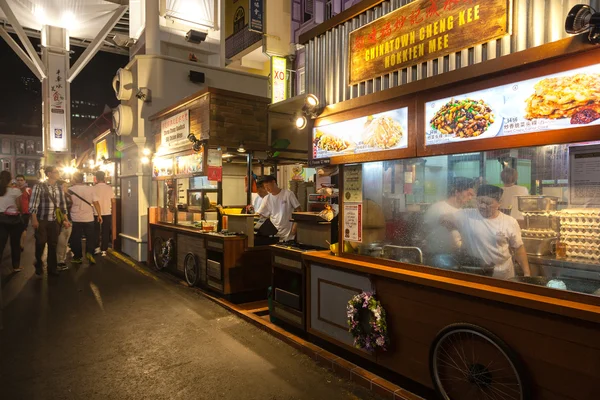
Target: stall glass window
x,y
529,215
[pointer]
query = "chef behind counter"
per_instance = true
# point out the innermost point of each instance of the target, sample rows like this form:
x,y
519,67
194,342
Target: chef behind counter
x,y
489,237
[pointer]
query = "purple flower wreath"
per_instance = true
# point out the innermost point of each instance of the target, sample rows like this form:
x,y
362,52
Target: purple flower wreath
x,y
366,322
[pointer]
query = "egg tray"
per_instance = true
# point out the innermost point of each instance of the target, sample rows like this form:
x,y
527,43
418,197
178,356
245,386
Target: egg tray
x,y
580,221
589,255
538,233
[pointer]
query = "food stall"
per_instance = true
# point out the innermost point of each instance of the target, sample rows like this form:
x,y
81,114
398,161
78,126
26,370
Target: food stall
x,y
204,151
520,327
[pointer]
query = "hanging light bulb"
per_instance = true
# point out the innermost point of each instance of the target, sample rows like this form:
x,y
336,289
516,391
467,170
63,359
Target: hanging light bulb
x,y
241,148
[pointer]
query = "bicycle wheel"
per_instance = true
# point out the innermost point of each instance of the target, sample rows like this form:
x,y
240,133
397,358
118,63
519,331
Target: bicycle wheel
x,y
469,362
158,252
190,269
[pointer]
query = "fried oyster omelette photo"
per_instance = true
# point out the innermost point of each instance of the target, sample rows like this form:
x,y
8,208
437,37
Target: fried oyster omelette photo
x,y
576,97
463,118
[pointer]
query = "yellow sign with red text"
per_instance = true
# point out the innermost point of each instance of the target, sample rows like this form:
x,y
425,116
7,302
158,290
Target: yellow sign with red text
x,y
421,31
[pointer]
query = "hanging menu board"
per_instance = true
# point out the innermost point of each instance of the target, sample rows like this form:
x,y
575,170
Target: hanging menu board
x,y
384,131
564,100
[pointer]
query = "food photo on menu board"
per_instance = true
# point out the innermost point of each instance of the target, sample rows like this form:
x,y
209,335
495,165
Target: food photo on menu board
x,y
564,100
377,132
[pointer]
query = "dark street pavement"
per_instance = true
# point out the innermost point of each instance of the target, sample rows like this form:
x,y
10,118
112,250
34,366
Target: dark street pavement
x,y
108,332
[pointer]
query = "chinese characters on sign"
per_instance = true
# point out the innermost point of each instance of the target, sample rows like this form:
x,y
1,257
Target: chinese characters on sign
x,y
564,100
58,106
353,187
256,16
175,130
353,222
423,30
278,79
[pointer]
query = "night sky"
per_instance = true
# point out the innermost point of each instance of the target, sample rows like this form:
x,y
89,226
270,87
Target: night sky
x,y
20,103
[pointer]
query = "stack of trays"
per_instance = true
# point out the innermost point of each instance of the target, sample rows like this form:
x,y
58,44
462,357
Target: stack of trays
x,y
580,231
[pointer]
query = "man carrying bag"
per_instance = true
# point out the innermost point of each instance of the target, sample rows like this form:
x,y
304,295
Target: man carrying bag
x,y
82,213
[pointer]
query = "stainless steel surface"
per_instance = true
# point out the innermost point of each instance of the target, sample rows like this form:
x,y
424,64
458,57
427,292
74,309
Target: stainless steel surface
x,y
399,253
566,263
537,203
534,22
572,284
533,221
539,246
313,234
307,217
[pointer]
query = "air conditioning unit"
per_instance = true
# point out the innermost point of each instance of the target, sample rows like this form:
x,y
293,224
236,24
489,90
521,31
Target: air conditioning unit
x,y
123,84
122,118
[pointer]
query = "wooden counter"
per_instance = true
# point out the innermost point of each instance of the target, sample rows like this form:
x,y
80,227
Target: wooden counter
x,y
226,264
555,338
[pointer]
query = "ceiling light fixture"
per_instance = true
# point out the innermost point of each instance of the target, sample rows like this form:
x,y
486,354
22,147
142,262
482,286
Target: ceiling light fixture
x,y
241,148
582,18
300,122
311,101
146,151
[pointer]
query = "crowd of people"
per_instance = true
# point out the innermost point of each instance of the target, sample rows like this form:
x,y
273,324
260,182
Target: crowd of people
x,y
61,214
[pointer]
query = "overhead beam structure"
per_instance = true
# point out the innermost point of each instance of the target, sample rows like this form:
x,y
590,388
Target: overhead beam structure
x,y
19,51
33,56
95,45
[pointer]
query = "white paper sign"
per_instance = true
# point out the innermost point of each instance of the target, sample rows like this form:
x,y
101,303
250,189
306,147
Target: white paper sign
x,y
353,222
58,103
584,175
353,183
175,130
214,158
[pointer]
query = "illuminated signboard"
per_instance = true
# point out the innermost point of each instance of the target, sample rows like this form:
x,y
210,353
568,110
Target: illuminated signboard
x,y
278,79
175,130
58,105
567,99
384,131
423,30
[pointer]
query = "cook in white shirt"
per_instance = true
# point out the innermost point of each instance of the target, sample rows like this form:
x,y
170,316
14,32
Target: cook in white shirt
x,y
261,193
278,205
490,235
512,191
439,239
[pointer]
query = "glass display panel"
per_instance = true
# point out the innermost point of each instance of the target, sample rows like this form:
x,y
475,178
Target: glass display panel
x,y
557,101
384,131
202,182
508,214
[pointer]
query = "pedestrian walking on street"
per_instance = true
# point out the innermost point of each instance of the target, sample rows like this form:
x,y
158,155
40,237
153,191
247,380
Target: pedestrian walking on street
x,y
85,202
48,209
23,206
105,195
10,220
65,234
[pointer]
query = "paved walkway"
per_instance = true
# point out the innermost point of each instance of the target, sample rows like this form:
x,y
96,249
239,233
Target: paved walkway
x,y
108,332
